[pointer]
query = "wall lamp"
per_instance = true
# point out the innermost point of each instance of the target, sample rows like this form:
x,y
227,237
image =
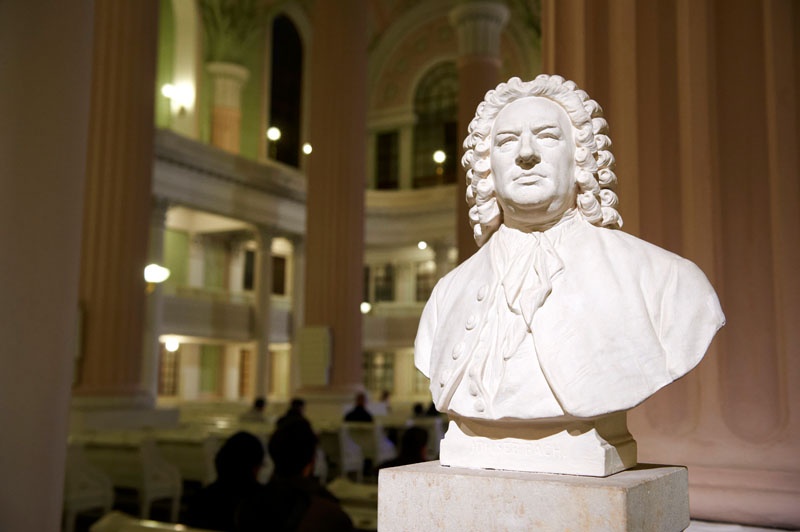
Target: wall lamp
x,y
180,95
153,275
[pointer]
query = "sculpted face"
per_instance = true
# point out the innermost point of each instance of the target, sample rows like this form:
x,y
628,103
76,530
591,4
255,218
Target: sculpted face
x,y
533,163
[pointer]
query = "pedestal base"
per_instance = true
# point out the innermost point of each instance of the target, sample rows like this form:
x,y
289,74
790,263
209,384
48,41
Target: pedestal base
x,y
428,496
597,447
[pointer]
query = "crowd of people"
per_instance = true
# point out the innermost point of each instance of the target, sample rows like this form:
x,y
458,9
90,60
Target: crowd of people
x,y
293,499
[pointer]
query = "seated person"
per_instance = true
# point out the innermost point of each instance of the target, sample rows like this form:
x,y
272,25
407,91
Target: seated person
x,y
359,411
432,412
292,500
413,448
256,413
237,463
296,411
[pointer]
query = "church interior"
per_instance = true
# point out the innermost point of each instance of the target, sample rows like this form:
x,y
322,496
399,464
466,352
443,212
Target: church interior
x,y
292,169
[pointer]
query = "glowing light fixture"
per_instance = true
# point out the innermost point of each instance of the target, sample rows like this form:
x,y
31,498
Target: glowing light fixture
x,y
422,244
181,95
273,133
168,90
172,344
307,148
439,157
154,273
365,307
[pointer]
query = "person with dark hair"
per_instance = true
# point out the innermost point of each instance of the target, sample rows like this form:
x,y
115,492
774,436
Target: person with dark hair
x,y
292,500
359,411
295,412
413,448
256,413
237,463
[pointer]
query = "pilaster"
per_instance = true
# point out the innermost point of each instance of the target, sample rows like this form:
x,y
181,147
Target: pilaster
x,y
335,205
478,25
117,202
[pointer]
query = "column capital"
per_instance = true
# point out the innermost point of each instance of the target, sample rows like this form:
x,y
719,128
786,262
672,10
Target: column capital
x,y
478,25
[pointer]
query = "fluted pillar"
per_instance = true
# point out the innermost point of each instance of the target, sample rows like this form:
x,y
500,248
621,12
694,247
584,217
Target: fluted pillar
x,y
336,181
117,202
227,79
46,58
707,166
263,293
298,305
154,311
478,25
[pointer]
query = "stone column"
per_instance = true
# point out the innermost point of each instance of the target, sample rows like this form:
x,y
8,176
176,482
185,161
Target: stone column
x,y
298,305
117,206
226,115
691,128
263,298
154,311
478,25
237,248
404,372
196,276
189,374
230,373
405,283
46,53
335,205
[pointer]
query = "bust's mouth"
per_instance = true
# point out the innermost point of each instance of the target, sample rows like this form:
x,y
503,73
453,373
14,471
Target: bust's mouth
x,y
528,178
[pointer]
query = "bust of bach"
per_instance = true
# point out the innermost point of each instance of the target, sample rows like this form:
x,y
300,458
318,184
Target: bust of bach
x,y
538,344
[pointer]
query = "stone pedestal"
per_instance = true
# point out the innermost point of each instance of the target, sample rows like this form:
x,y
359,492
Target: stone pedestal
x,y
597,447
428,496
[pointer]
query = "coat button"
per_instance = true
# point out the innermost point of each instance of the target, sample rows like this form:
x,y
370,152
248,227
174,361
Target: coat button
x,y
472,321
482,291
479,406
473,389
457,350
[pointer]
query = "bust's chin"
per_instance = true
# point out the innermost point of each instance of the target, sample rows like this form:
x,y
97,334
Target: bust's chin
x,y
534,217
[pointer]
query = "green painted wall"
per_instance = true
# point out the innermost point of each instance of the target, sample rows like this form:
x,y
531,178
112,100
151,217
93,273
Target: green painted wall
x,y
214,266
176,256
252,98
166,58
210,359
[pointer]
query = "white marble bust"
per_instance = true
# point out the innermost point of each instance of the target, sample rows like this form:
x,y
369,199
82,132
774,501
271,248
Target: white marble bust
x,y
559,318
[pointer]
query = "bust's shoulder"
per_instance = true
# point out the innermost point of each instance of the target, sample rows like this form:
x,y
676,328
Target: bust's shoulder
x,y
618,246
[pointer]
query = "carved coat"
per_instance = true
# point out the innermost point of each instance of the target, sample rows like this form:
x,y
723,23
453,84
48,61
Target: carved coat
x,y
577,320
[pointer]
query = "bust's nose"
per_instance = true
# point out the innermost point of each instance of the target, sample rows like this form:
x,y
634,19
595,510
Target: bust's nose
x,y
528,155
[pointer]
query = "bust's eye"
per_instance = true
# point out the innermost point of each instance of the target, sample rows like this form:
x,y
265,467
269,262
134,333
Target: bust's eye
x,y
505,140
549,135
